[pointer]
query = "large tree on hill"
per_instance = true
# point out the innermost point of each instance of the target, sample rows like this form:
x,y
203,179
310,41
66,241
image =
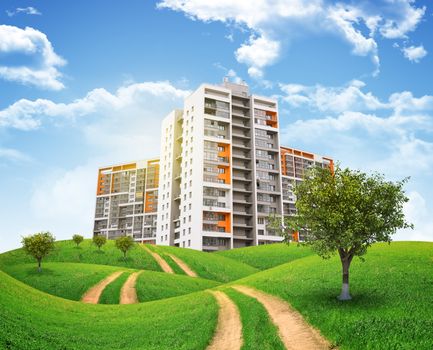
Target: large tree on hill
x,y
345,211
39,245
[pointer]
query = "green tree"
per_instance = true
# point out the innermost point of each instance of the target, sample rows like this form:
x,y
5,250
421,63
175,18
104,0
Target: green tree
x,y
38,245
345,211
124,243
77,239
99,241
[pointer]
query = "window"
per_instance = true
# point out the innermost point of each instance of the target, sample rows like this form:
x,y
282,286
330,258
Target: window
x,y
189,230
189,206
261,221
189,218
189,243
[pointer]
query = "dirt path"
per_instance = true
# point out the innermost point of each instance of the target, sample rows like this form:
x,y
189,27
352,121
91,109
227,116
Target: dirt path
x,y
183,266
128,293
93,294
228,335
295,333
164,266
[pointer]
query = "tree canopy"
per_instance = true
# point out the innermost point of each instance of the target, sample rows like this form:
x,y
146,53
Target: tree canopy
x,y
345,211
39,245
124,243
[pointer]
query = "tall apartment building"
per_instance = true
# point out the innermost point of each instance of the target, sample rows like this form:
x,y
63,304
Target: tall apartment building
x,y
294,165
127,200
222,170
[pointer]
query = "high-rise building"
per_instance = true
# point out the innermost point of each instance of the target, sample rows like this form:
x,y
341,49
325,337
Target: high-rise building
x,y
127,200
222,174
294,166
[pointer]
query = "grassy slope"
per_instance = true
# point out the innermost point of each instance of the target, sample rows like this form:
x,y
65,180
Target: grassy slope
x,y
111,293
158,285
392,291
266,256
209,265
257,330
173,265
66,280
66,251
31,319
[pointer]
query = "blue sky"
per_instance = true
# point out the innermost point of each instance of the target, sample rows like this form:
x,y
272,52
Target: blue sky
x,y
86,83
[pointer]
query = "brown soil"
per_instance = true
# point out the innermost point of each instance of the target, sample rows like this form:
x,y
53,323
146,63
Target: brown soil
x,y
295,333
164,266
128,294
183,266
93,294
228,335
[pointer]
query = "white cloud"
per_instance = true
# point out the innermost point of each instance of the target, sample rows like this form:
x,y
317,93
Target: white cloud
x,y
406,19
27,115
417,212
33,43
414,53
13,155
26,10
65,201
257,54
331,99
344,18
273,22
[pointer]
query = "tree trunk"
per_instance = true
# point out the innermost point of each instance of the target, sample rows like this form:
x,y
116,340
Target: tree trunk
x,y
39,265
346,259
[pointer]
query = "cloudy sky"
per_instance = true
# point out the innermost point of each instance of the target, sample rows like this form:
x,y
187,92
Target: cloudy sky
x,y
86,83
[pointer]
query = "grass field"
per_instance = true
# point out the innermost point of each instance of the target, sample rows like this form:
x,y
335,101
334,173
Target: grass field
x,y
158,285
111,293
392,296
66,280
269,255
208,265
66,251
258,332
31,320
391,307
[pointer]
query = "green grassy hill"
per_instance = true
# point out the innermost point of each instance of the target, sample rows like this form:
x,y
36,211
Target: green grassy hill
x,y
266,256
392,306
66,280
66,251
31,319
208,265
158,285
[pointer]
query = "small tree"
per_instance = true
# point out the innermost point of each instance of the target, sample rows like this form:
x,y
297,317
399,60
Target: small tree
x,y
77,239
345,211
99,241
124,243
39,245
